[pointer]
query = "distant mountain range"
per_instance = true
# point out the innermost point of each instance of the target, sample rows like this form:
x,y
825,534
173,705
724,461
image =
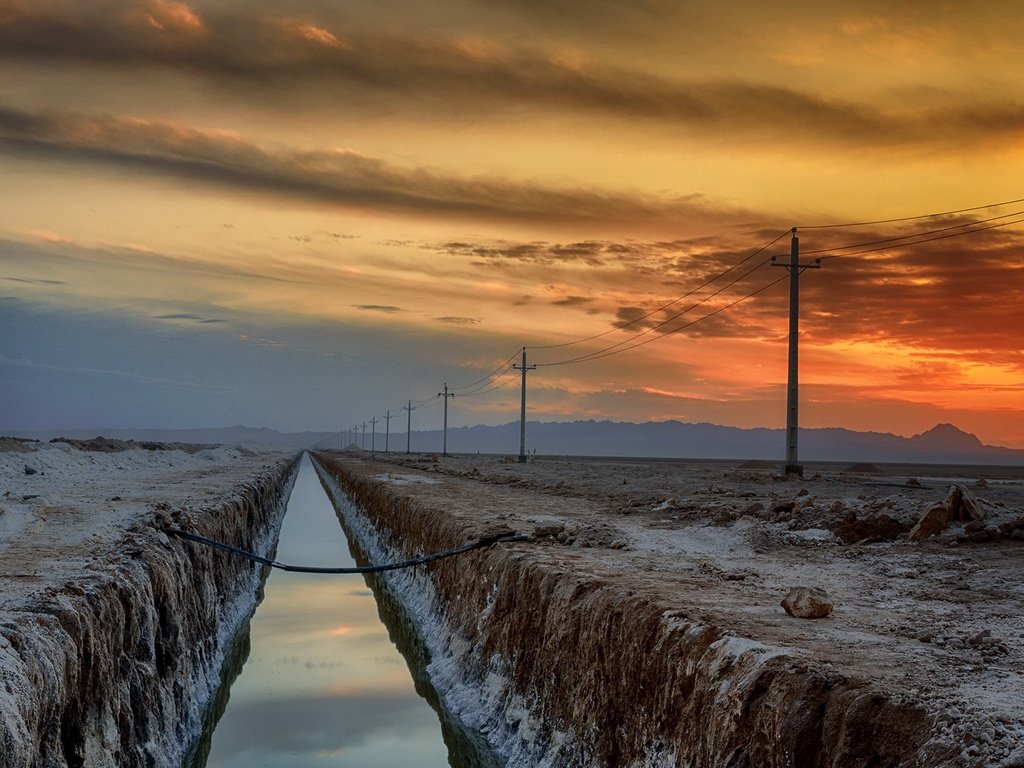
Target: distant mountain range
x,y
943,444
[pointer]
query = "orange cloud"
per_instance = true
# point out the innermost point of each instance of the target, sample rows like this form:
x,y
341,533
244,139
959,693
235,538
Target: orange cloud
x,y
169,14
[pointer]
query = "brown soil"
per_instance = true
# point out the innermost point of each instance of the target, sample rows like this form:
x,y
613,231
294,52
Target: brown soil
x,y
932,629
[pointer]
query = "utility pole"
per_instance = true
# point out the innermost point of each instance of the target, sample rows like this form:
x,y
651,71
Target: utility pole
x,y
364,435
445,395
522,408
793,388
373,434
387,430
408,425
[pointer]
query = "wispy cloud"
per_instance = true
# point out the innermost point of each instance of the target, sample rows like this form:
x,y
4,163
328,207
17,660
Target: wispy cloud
x,y
453,320
33,281
190,317
335,178
477,76
385,308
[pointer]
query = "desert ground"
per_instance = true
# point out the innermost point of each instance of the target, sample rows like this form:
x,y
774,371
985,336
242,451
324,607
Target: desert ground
x,y
933,615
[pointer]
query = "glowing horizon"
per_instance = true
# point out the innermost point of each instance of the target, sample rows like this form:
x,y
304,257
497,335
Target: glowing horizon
x,y
300,217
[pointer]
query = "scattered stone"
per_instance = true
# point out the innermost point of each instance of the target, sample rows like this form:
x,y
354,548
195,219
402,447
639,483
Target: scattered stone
x,y
29,470
868,530
913,482
974,526
802,492
808,602
981,483
981,637
1012,525
837,507
754,507
783,506
1017,534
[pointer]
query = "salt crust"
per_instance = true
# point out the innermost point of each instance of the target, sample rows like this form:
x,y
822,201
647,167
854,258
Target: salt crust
x,y
63,513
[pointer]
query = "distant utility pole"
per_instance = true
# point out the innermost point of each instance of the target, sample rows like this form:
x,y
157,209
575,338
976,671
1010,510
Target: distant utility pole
x,y
522,408
445,395
387,430
364,435
408,425
793,390
373,434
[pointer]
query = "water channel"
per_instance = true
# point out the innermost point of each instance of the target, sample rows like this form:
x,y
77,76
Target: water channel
x,y
329,672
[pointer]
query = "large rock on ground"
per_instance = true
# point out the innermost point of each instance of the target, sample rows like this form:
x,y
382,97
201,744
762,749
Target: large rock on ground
x,y
808,602
960,505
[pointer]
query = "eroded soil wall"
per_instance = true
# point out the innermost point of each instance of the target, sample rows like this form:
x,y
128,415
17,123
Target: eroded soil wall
x,y
116,668
565,667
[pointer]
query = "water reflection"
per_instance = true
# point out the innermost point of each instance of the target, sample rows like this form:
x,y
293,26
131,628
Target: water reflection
x,y
466,748
324,684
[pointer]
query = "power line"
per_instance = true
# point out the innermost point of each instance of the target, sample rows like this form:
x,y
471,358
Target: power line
x,y
925,240
913,218
912,235
671,303
609,352
507,365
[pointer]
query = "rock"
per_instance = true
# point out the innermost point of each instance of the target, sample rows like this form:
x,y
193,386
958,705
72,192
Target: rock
x,y
29,470
962,504
783,506
808,602
1017,534
869,529
1013,525
837,507
1015,760
974,526
913,482
932,522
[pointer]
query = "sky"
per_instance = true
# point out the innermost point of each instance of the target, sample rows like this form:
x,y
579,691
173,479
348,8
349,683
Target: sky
x,y
306,214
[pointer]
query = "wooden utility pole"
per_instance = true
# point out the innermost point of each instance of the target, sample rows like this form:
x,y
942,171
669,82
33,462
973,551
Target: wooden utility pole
x,y
445,395
387,430
793,466
364,435
408,425
373,434
522,408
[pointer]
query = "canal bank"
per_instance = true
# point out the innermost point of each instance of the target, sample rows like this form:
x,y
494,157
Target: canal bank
x,y
112,633
618,637
329,671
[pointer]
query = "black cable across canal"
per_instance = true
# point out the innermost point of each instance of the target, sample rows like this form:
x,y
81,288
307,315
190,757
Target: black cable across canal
x,y
483,543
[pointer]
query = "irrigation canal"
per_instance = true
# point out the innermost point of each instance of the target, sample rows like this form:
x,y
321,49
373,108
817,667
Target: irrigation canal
x,y
329,672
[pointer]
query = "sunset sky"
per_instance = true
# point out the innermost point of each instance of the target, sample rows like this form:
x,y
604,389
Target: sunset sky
x,y
304,213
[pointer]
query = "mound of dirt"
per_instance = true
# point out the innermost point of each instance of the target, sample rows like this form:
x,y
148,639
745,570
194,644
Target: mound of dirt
x,y
863,468
16,445
105,445
869,529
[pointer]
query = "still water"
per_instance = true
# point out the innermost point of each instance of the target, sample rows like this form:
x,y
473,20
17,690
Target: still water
x,y
316,679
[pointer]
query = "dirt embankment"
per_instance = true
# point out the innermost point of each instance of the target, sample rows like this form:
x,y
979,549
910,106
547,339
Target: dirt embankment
x,y
112,633
645,630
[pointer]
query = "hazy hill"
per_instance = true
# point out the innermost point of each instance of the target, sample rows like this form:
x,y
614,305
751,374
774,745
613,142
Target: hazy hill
x,y
943,444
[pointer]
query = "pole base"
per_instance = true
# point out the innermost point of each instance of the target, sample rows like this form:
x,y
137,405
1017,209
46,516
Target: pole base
x,y
522,459
793,469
